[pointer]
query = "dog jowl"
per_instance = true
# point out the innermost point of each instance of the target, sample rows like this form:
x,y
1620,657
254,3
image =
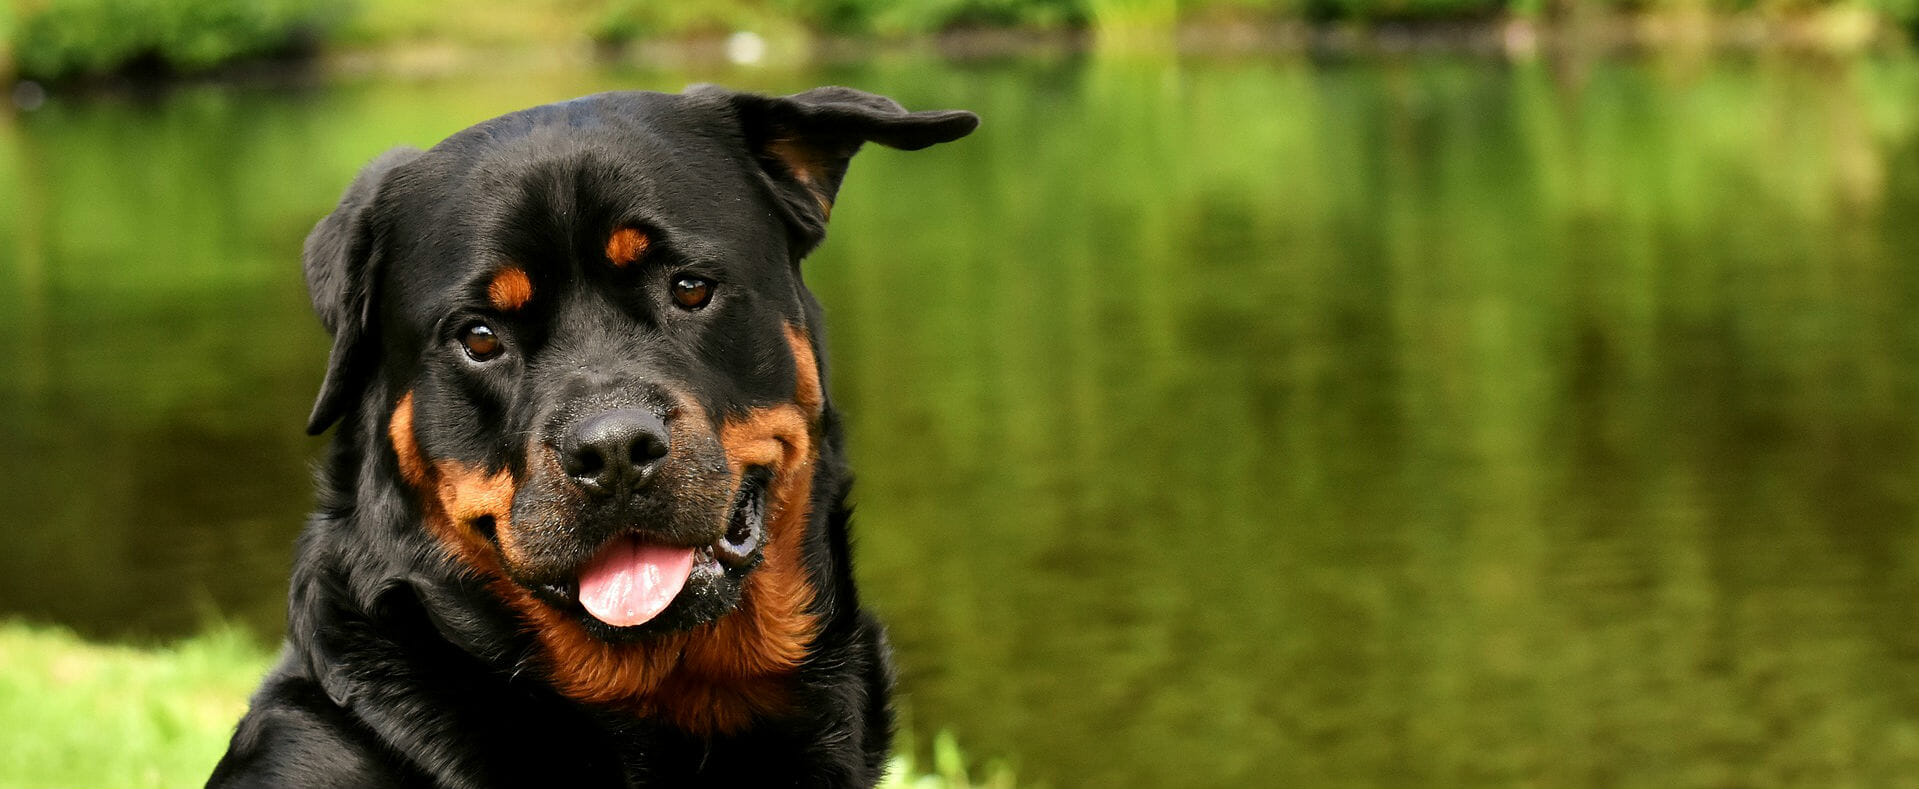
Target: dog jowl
x,y
583,518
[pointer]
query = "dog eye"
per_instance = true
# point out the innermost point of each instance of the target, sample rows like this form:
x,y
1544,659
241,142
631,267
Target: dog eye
x,y
692,292
480,341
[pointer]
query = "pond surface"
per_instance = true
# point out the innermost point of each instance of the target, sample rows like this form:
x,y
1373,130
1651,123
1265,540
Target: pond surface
x,y
1223,422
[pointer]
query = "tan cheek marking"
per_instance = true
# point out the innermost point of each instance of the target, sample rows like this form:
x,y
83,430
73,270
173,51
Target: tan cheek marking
x,y
807,392
399,430
732,669
509,290
454,495
626,245
468,495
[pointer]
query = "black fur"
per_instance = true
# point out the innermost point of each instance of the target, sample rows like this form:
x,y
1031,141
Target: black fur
x,y
402,665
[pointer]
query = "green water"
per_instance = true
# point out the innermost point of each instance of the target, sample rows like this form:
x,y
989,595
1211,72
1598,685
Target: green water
x,y
1228,422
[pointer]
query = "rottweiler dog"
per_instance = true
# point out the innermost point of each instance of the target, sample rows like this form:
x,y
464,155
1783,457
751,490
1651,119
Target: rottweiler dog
x,y
583,522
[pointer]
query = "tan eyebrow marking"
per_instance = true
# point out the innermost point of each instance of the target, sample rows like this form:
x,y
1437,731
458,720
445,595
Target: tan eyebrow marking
x,y
509,290
626,245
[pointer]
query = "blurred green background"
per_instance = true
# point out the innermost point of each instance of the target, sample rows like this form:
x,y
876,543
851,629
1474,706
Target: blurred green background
x,y
56,39
1238,416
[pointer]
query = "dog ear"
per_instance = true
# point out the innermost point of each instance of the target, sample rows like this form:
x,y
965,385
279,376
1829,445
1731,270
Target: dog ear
x,y
805,140
341,263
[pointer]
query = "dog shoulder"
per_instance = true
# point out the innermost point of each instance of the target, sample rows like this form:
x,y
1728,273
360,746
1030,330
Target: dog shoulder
x,y
294,736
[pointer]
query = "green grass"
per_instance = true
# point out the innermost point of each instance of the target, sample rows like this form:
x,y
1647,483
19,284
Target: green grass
x,y
54,39
75,714
79,714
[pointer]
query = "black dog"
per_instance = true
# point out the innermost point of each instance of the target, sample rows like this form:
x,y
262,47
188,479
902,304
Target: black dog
x,y
583,521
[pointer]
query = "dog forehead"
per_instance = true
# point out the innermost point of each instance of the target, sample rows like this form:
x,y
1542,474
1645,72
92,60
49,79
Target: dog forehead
x,y
629,153
680,120
546,186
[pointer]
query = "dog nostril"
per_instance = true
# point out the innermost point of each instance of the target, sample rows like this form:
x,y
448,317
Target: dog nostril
x,y
586,463
646,449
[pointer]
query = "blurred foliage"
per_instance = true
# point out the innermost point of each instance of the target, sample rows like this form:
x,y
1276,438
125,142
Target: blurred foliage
x,y
60,38
947,768
1417,9
636,19
54,38
639,19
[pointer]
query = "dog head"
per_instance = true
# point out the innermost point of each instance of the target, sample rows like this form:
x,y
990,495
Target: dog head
x,y
580,331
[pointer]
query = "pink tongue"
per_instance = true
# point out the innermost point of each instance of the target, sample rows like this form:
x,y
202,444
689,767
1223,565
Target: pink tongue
x,y
631,582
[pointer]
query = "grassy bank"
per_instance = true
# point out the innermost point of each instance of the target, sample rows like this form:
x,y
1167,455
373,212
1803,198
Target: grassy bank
x,y
74,714
78,714
62,39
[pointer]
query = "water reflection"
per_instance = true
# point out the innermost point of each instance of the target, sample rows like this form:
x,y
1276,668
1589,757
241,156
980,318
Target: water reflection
x,y
1221,423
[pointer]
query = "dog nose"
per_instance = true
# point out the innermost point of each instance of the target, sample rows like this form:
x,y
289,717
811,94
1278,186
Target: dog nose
x,y
616,451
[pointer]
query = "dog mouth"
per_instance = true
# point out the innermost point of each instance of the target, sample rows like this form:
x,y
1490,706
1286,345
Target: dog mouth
x,y
739,548
632,581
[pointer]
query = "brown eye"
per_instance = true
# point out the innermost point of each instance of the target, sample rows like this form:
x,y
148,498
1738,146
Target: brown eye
x,y
480,341
692,292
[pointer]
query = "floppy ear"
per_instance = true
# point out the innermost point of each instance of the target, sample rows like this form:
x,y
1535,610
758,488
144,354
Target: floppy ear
x,y
805,140
340,261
